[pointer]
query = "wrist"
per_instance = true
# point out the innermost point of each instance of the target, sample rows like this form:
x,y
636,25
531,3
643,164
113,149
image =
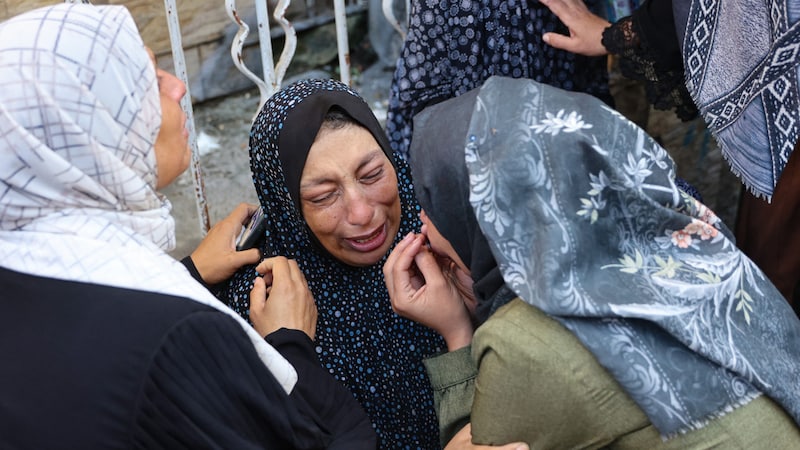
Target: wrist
x,y
458,339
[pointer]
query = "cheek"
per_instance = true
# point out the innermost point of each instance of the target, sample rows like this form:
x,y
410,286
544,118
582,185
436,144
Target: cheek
x,y
322,222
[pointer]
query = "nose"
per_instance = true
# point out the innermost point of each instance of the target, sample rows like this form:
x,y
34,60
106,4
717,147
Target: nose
x,y
170,85
359,209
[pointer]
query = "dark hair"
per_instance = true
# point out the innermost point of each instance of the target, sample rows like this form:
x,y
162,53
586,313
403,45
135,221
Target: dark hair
x,y
337,118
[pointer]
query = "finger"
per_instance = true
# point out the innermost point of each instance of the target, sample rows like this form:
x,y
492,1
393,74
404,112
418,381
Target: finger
x,y
557,7
391,260
405,256
559,41
243,257
428,265
267,264
241,214
297,272
258,295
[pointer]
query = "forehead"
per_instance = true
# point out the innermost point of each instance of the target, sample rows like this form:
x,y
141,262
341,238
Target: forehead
x,y
346,143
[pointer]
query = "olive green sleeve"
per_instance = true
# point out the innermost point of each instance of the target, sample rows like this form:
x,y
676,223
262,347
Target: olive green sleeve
x,y
452,376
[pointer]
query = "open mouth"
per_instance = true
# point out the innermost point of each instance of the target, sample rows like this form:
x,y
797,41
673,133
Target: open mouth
x,y
371,241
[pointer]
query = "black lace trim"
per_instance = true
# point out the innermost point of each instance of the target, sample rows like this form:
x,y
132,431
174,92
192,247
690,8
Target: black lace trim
x,y
662,76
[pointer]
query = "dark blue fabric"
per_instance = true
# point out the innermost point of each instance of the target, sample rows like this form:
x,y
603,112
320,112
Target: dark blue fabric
x,y
360,340
453,46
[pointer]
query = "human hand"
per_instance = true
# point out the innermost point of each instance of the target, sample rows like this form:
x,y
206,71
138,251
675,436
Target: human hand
x,y
585,28
420,291
281,298
463,441
216,258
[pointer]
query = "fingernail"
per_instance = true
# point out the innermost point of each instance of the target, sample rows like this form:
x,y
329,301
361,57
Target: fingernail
x,y
409,236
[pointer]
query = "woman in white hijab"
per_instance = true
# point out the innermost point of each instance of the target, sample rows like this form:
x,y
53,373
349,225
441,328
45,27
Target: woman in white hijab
x,y
97,322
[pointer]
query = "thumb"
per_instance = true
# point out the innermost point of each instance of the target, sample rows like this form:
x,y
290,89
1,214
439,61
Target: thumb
x,y
249,256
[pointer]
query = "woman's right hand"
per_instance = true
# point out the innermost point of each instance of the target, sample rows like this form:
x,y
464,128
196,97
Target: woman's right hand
x,y
420,291
280,298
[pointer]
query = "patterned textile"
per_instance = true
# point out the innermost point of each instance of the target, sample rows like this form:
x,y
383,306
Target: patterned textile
x,y
741,61
600,238
453,46
79,113
360,340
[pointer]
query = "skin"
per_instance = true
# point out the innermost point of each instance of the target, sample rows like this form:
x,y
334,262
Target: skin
x,y
281,299
291,304
421,290
172,143
585,28
349,197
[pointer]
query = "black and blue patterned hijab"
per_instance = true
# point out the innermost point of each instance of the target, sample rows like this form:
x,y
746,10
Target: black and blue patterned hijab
x,y
360,340
583,218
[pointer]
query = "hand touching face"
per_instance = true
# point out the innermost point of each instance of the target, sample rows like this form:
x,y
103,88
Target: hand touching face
x,y
421,290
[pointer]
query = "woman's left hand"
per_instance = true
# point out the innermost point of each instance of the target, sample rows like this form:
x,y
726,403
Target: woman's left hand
x,y
216,258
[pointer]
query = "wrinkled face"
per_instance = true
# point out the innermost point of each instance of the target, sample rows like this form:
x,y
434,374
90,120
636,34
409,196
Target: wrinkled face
x,y
349,197
172,143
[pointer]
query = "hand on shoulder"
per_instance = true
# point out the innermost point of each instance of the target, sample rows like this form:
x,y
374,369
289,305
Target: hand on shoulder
x,y
463,441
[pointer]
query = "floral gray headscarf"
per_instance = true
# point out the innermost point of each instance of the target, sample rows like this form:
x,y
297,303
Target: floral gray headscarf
x,y
585,223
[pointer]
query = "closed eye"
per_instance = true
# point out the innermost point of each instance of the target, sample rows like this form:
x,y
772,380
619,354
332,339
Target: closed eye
x,y
373,176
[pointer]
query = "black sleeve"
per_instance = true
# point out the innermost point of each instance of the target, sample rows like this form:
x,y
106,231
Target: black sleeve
x,y
189,264
322,393
648,48
207,388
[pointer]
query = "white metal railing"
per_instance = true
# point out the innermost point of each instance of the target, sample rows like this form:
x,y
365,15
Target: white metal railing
x,y
272,73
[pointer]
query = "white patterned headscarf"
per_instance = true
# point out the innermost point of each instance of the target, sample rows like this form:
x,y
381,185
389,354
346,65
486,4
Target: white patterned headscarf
x,y
79,114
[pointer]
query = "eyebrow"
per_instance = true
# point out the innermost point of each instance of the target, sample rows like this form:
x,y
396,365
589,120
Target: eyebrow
x,y
368,158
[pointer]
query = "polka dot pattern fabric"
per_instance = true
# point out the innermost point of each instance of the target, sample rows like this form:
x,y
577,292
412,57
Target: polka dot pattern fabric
x,y
453,46
360,340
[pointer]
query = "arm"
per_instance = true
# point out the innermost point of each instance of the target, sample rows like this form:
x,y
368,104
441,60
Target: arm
x,y
207,388
283,309
216,259
452,377
645,42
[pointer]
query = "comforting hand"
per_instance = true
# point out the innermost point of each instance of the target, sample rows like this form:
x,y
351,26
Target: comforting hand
x,y
216,258
463,441
281,299
585,28
420,291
